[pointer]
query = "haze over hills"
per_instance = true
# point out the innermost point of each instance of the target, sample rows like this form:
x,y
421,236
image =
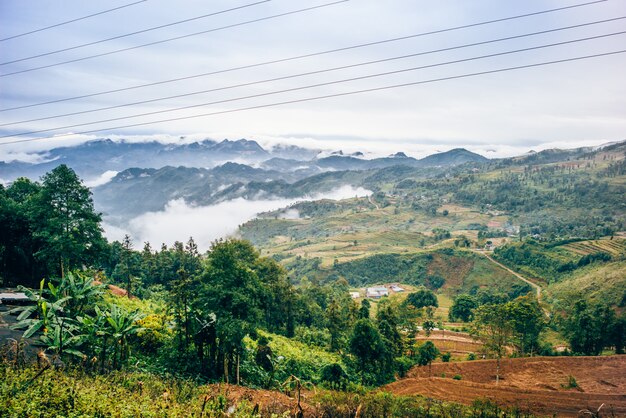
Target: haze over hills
x,y
130,179
121,155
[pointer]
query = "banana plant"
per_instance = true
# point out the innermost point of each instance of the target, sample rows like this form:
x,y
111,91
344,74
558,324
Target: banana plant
x,y
41,314
122,324
82,291
63,337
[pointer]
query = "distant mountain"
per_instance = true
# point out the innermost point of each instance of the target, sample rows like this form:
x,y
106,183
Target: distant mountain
x,y
93,158
450,158
138,190
453,157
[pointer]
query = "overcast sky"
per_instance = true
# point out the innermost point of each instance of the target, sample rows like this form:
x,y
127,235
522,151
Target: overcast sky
x,y
562,105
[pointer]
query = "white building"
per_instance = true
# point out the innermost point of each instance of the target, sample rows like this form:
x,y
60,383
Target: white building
x,y
377,292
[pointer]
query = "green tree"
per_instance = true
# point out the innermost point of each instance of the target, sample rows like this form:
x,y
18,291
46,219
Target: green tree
x,y
366,345
493,326
17,244
66,222
462,308
230,291
364,311
336,325
422,298
528,321
427,353
587,327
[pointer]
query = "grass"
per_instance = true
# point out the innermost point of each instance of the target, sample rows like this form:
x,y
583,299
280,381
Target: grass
x,y
602,283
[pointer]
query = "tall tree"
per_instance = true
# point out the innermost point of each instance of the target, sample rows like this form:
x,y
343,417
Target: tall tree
x,y
231,292
66,222
493,326
17,245
528,321
366,344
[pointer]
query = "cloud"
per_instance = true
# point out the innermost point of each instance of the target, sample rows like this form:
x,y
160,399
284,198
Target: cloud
x,y
179,220
104,178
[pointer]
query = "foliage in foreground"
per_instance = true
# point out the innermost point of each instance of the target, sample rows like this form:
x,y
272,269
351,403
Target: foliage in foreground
x,y
28,392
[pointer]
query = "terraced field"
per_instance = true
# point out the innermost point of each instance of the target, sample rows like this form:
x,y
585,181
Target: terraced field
x,y
615,247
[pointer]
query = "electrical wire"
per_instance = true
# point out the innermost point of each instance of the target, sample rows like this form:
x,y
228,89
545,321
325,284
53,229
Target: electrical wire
x,y
135,33
328,96
312,86
314,54
247,22
71,21
315,72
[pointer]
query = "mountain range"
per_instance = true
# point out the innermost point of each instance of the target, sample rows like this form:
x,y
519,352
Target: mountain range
x,y
120,155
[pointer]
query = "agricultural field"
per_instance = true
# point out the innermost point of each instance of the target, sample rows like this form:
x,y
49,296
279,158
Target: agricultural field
x,y
615,247
545,385
459,344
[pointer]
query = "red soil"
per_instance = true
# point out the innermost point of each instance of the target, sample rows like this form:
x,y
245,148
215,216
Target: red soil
x,y
267,402
531,383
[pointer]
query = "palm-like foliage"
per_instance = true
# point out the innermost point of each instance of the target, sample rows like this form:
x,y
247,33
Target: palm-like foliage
x,y
70,321
121,325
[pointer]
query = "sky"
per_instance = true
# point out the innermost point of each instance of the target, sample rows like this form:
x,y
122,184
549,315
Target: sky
x,y
500,114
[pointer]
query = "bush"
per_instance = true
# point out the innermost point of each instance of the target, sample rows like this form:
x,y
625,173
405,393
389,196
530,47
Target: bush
x,y
571,383
457,377
445,357
334,376
471,356
403,365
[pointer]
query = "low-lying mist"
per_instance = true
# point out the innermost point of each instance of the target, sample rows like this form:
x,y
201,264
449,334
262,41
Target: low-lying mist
x,y
179,220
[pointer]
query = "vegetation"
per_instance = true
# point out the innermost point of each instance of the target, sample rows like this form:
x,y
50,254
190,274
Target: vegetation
x,y
282,312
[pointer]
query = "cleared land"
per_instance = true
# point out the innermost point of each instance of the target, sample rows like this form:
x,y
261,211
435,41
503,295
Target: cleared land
x,y
457,343
539,384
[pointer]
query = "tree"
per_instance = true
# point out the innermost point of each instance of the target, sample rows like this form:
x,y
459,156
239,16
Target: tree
x,y
463,308
364,311
230,289
587,327
66,222
528,321
422,298
366,344
336,325
17,245
492,325
427,353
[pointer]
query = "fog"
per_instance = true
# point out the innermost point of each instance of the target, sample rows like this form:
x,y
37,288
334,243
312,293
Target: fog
x,y
104,178
179,220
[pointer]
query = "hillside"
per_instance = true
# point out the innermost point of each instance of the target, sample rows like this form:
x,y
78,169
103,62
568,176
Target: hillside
x,y
539,384
600,283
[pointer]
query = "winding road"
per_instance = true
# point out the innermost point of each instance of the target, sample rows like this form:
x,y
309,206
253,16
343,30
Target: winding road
x,y
516,274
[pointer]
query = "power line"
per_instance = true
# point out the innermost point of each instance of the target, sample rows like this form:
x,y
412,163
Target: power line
x,y
247,22
315,72
314,54
318,84
136,32
71,21
328,96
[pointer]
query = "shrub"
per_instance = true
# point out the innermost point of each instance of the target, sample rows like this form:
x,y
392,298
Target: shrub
x,y
445,357
457,377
